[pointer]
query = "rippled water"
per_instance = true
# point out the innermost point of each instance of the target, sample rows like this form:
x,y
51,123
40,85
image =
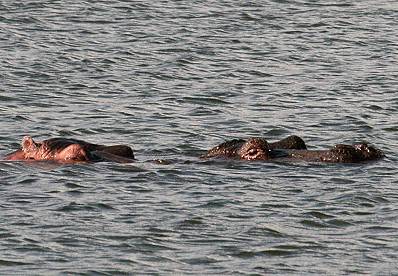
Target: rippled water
x,y
172,79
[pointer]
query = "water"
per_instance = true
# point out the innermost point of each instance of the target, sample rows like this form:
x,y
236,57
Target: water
x,y
172,79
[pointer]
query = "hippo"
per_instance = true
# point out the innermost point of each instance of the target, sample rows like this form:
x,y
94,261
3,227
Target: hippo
x,y
70,150
254,148
292,148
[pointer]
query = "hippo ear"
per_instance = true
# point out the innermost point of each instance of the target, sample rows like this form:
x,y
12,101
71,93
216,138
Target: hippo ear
x,y
28,144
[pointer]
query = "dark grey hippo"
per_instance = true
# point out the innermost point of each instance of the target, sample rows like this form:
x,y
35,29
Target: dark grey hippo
x,y
292,148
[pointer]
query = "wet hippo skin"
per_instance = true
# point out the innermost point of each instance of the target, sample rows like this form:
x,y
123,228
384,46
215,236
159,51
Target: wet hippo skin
x,y
256,148
73,150
292,148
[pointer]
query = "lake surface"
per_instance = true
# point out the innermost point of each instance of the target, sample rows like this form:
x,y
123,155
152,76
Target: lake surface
x,y
172,79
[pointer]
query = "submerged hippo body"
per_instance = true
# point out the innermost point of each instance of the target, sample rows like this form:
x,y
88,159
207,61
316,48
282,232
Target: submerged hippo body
x,y
73,150
292,148
338,154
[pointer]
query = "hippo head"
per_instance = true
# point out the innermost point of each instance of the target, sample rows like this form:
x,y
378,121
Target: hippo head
x,y
368,152
254,149
54,149
37,151
29,147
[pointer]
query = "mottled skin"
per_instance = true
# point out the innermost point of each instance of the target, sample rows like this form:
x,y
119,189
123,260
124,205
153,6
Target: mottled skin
x,y
70,150
254,148
292,148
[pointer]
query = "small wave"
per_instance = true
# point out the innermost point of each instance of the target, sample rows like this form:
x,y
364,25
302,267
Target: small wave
x,y
4,262
73,206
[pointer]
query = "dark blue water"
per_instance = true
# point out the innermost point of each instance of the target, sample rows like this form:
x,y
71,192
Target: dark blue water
x,y
172,79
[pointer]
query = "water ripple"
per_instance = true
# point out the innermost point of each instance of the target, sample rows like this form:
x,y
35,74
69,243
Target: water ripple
x,y
173,79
